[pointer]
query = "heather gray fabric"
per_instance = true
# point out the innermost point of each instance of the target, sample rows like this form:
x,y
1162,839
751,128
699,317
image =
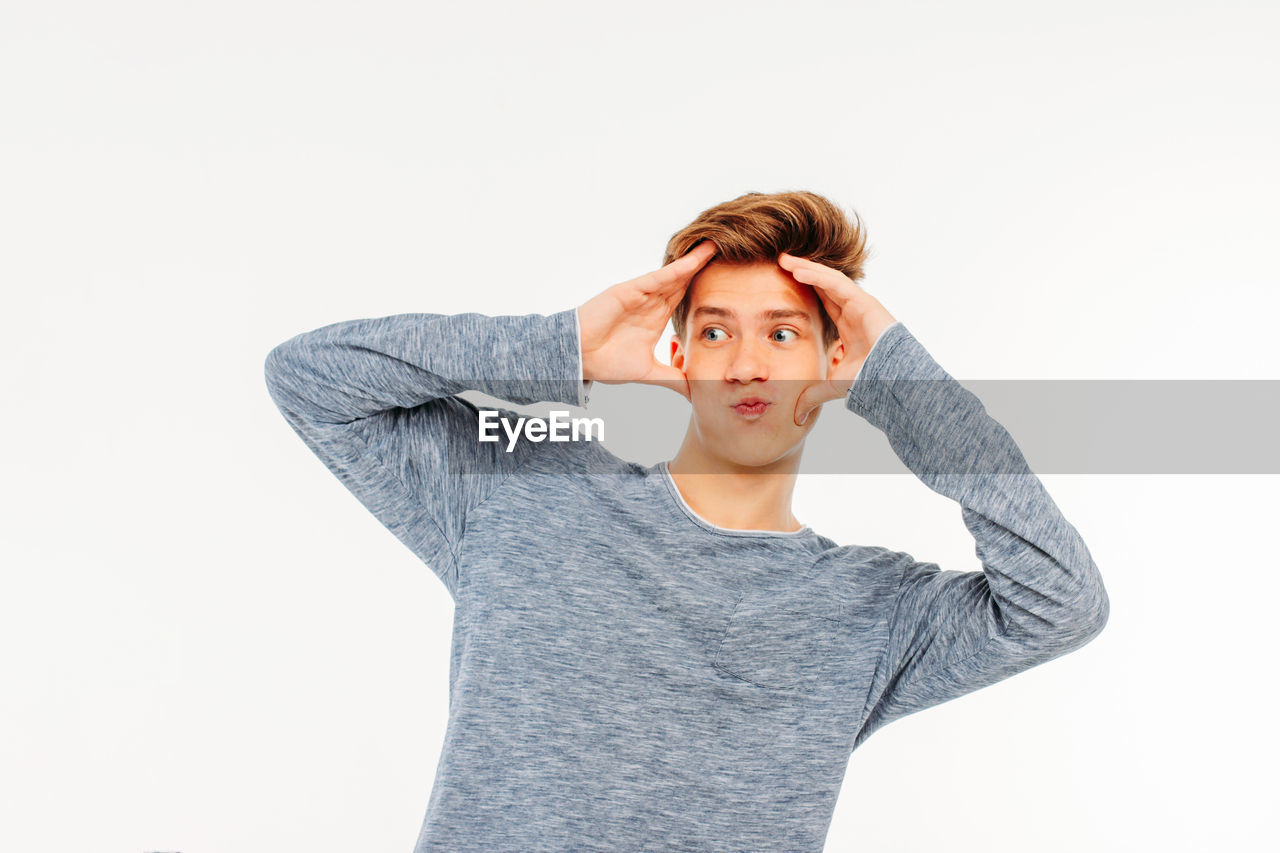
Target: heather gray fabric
x,y
628,676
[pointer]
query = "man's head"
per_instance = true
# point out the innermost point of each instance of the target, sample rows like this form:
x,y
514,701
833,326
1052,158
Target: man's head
x,y
746,328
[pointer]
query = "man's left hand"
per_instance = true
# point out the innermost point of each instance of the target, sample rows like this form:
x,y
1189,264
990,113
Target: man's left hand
x,y
859,317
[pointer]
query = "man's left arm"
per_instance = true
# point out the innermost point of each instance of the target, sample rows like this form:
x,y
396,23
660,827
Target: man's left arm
x,y
1039,594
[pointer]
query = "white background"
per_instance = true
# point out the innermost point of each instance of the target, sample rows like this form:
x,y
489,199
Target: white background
x,y
208,645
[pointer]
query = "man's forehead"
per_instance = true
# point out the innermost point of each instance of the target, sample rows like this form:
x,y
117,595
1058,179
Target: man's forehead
x,y
766,291
721,275
730,312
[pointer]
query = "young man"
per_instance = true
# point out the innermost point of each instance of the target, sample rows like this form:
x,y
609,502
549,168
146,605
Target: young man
x,y
663,657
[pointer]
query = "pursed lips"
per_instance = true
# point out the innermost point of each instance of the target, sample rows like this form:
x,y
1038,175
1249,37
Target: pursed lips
x,y
751,406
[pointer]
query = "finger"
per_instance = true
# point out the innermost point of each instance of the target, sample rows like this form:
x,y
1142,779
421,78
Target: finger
x,y
813,271
675,276
834,309
704,251
818,275
832,299
834,288
682,270
790,261
669,377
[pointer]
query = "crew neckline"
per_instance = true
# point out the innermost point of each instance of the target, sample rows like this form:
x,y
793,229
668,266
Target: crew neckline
x,y
678,499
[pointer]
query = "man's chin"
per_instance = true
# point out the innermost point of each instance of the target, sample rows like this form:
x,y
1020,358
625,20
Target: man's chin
x,y
754,454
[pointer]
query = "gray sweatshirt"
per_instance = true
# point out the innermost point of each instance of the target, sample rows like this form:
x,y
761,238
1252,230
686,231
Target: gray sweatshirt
x,y
625,675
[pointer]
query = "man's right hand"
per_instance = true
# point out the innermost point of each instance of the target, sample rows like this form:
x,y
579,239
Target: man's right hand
x,y
621,327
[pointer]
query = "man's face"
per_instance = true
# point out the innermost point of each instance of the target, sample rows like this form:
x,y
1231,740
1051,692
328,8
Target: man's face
x,y
751,331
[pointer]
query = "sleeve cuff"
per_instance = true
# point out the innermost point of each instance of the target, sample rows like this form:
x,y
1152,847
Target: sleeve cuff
x,y
899,369
584,386
884,334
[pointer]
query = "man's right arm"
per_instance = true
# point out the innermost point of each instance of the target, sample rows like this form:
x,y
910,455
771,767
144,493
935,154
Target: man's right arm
x,y
374,400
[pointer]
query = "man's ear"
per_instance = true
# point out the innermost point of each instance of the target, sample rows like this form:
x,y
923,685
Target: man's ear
x,y
677,353
836,354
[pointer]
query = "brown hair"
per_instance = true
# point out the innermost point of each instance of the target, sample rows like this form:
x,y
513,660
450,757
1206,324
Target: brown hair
x,y
757,227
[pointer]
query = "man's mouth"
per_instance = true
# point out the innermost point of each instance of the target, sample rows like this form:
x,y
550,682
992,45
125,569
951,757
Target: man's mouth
x,y
751,407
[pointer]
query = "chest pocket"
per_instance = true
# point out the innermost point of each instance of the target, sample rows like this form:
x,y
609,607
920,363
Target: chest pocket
x,y
782,647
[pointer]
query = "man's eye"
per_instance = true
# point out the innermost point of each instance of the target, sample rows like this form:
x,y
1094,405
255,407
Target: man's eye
x,y
786,331
708,330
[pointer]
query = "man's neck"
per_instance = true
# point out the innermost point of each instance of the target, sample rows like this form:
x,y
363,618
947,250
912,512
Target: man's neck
x,y
731,496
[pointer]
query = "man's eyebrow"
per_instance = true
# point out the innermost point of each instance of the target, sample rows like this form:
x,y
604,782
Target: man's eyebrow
x,y
771,314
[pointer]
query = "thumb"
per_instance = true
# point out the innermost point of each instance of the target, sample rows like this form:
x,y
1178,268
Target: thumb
x,y
669,377
805,407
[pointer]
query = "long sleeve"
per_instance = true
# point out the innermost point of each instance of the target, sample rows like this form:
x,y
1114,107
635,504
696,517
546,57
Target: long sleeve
x,y
877,342
375,400
1039,594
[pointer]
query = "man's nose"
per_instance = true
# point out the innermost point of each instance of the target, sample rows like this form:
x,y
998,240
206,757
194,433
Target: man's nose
x,y
750,363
